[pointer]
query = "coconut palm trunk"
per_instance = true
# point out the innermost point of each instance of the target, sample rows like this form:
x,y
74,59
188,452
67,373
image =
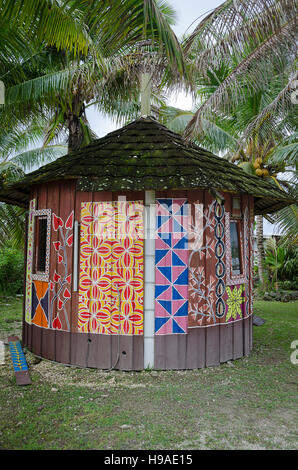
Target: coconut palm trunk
x,y
260,247
76,133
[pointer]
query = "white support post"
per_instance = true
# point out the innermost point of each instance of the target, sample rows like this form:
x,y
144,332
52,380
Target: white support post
x,y
149,284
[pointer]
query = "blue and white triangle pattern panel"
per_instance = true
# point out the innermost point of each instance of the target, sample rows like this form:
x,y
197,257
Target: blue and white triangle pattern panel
x,y
171,267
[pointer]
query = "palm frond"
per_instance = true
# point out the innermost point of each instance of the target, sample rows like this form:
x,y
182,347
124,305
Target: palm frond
x,y
287,218
55,22
227,30
133,21
33,159
12,226
249,76
267,121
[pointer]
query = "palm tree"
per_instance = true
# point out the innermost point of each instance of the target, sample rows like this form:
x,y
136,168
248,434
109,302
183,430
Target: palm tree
x,y
254,39
242,58
259,152
15,160
56,58
60,83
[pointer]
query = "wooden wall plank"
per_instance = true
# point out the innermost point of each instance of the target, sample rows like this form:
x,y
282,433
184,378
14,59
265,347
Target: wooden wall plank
x,y
195,349
171,351
53,201
138,353
246,348
159,352
99,355
237,339
126,353
212,332
36,340
212,346
79,349
128,344
65,267
24,329
226,342
43,204
251,332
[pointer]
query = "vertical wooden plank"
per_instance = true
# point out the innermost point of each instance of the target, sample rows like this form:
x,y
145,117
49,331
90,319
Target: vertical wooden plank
x,y
42,197
160,352
195,356
36,340
99,347
64,270
138,353
196,338
175,344
246,348
182,351
212,332
212,346
226,342
79,198
251,332
159,340
53,200
126,353
79,349
24,329
226,329
36,331
42,204
29,336
237,339
127,343
100,352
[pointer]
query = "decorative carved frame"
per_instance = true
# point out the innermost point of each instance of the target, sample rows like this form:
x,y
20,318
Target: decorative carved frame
x,y
48,213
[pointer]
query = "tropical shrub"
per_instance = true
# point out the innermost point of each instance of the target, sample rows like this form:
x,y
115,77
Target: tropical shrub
x,y
11,271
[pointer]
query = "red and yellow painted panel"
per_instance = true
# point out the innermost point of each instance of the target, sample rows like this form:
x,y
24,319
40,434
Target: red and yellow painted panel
x,y
111,268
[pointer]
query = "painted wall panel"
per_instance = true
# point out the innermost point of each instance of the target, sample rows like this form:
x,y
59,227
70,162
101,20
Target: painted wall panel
x,y
171,266
111,268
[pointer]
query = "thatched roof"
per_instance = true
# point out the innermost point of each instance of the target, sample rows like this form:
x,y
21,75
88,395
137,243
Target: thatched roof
x,y
147,155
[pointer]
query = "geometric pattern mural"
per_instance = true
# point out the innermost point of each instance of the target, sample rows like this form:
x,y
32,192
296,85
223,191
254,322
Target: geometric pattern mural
x,y
40,304
215,296
202,273
235,302
171,267
60,283
111,268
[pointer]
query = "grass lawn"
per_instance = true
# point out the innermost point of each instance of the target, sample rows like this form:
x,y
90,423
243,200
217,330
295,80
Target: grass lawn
x,y
248,404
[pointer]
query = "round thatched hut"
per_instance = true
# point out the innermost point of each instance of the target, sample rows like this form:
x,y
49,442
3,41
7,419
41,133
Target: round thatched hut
x,y
140,253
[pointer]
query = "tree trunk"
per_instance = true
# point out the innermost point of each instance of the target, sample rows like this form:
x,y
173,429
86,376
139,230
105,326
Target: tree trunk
x,y
75,133
260,248
76,113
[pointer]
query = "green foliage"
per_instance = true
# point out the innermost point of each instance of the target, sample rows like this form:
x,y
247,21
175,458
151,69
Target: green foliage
x,y
289,285
11,271
289,270
281,264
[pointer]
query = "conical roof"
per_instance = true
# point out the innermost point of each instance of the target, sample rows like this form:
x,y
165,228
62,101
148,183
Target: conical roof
x,y
147,155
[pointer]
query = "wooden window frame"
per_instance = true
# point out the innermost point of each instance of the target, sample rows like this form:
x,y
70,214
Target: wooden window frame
x,y
37,215
239,224
231,279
